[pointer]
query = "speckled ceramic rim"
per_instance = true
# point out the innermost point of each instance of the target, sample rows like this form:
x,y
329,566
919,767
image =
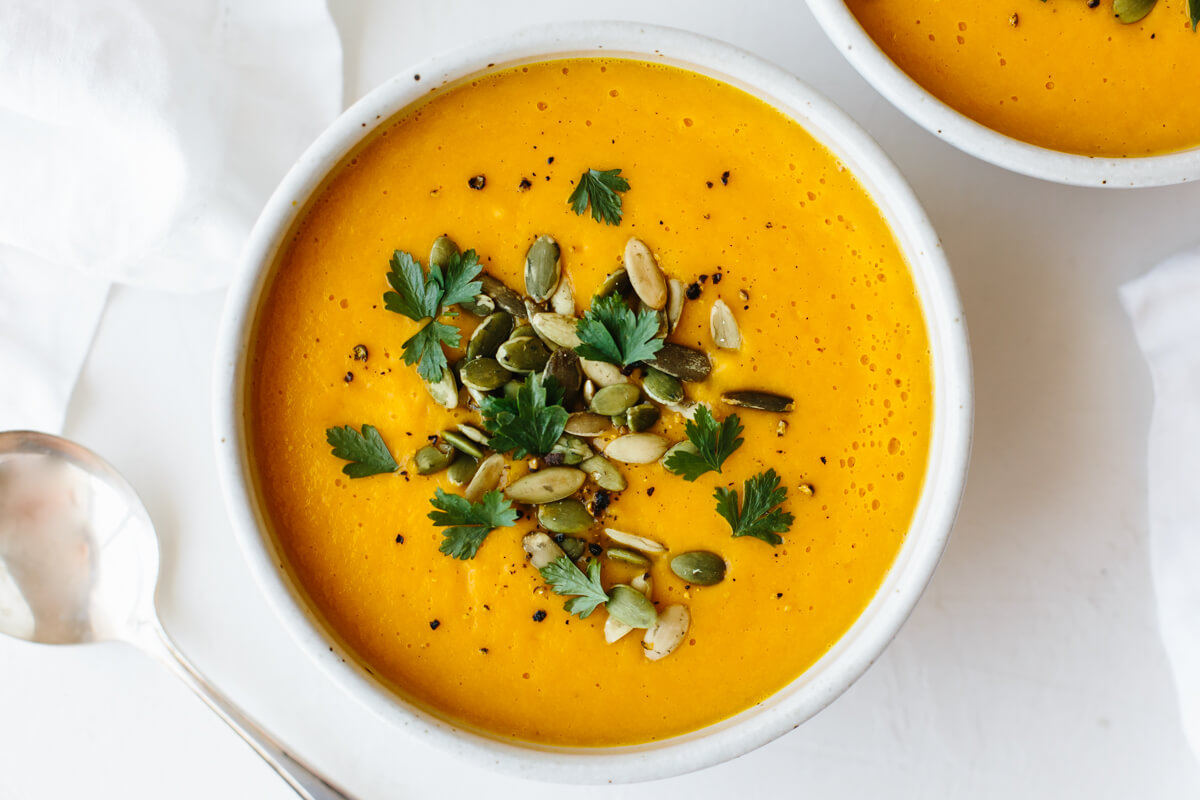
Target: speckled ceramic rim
x,y
935,514
981,141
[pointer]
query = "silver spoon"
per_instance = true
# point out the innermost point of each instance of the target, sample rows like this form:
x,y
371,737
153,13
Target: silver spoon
x,y
79,563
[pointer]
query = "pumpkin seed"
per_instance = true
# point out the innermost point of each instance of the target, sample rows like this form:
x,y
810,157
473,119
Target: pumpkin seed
x,y
762,401
640,543
546,486
433,458
442,251
723,327
556,329
484,374
585,423
637,448
473,433
563,366
602,373
616,283
805,489
565,516
504,298
618,420
462,443
511,389
626,556
563,299
523,331
686,447
475,396
631,607
643,583
682,362
589,388
676,295
488,476
463,469
699,567
543,268
541,548
642,417
664,326
445,391
615,399
661,387
480,306
614,629
524,354
574,547
688,408
667,633
571,449
603,473
1130,11
490,334
644,275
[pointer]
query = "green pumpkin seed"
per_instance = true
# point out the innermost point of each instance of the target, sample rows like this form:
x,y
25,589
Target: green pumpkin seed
x,y
667,633
484,374
686,447
603,473
631,607
442,251
556,329
541,548
614,399
723,327
523,331
601,372
616,283
682,362
504,298
511,389
525,354
762,401
661,387
640,543
569,450
563,299
473,433
487,477
481,306
565,516
462,469
676,295
1130,11
637,448
546,485
490,334
573,547
642,417
563,366
699,567
445,391
585,423
462,443
543,268
626,556
647,279
433,458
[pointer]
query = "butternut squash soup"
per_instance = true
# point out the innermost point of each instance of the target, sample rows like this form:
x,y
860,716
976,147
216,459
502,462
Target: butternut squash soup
x,y
590,402
1094,77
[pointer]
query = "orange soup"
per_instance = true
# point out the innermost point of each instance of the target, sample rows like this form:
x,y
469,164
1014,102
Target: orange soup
x,y
734,202
1061,74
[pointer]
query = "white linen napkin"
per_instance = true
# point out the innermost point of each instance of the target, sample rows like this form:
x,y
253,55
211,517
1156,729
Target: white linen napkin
x,y
1165,308
138,140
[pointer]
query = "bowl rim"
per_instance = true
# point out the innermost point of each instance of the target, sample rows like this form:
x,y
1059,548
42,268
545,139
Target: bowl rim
x,y
906,579
986,144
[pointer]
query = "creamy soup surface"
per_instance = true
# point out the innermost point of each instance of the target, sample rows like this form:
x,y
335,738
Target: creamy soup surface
x,y
1059,74
730,195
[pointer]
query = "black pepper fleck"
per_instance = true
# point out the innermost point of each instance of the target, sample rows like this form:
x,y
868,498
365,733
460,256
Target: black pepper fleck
x,y
524,184
708,184
434,625
823,460
550,160
539,615
718,278
650,492
1093,3
360,352
483,650
349,377
478,182
595,549
559,538
693,291
704,278
399,538
778,595
600,502
725,178
554,459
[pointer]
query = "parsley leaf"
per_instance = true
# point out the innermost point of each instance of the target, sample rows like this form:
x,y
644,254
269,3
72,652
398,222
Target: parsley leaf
x,y
599,188
365,451
714,441
469,523
759,516
415,297
611,332
457,283
529,424
424,348
567,579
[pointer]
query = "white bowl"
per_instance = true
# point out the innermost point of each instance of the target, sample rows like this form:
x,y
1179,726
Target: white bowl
x,y
981,141
949,450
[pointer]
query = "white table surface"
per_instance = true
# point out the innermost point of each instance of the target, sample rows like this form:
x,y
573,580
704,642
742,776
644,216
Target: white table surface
x,y
1031,668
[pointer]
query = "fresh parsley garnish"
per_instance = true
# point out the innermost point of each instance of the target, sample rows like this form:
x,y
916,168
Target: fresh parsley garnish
x,y
365,451
468,524
714,441
599,189
425,297
567,579
759,516
611,332
529,424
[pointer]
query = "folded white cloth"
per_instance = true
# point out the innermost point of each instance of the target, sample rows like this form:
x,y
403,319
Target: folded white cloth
x,y
138,140
1165,308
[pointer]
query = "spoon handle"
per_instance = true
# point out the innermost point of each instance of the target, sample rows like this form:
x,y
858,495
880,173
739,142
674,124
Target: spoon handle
x,y
306,783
